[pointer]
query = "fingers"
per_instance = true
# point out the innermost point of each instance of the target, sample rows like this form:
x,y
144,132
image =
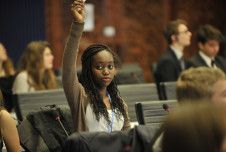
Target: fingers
x,y
78,4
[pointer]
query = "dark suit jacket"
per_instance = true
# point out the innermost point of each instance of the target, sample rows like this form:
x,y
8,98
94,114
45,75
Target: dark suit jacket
x,y
168,67
197,61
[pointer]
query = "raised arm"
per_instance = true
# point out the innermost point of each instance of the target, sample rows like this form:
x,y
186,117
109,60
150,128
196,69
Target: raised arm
x,y
69,77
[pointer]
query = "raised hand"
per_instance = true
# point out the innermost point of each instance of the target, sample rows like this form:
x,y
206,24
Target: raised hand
x,y
78,10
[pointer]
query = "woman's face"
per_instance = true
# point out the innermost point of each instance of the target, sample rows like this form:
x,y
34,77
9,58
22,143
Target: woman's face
x,y
103,70
47,59
3,54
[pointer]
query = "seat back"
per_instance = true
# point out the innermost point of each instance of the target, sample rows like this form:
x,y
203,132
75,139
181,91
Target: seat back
x,y
153,67
130,74
168,90
31,101
133,93
152,112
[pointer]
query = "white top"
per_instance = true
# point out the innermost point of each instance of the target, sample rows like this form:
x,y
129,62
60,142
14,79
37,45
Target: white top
x,y
21,85
2,73
102,124
206,59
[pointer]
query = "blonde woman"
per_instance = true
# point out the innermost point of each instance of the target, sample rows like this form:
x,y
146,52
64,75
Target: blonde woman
x,y
35,69
6,65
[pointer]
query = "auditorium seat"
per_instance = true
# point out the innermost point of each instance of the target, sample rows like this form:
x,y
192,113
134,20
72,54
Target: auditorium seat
x,y
152,112
31,101
168,90
132,93
40,131
130,73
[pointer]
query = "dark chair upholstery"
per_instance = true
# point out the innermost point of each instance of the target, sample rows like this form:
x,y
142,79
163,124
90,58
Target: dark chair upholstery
x,y
135,140
40,131
153,67
6,84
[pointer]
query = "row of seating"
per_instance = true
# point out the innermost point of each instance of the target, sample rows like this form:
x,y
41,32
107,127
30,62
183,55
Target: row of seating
x,y
131,93
142,100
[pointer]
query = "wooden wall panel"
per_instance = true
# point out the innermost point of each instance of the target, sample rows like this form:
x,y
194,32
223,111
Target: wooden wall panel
x,y
143,24
139,26
54,29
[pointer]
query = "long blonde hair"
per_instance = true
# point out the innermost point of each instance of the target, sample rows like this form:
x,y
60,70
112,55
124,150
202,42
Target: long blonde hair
x,y
32,62
7,66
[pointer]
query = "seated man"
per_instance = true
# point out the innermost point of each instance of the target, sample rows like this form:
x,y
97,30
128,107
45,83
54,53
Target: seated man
x,y
209,39
203,131
172,62
197,84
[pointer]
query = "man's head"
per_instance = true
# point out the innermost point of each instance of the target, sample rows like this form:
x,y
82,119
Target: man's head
x,y
209,39
177,31
202,83
195,127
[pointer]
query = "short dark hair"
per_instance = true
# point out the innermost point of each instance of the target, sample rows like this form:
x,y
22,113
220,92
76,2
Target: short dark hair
x,y
208,32
172,28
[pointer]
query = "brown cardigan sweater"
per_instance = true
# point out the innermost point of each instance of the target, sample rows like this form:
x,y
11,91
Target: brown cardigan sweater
x,y
75,93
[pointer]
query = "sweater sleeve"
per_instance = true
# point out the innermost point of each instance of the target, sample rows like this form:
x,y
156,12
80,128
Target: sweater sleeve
x,y
69,77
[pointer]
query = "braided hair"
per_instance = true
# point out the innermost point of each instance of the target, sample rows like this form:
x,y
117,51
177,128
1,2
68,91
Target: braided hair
x,y
96,100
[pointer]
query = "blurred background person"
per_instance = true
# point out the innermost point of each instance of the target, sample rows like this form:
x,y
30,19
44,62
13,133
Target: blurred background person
x,y
6,77
209,39
196,127
35,69
202,83
195,85
172,61
6,65
8,130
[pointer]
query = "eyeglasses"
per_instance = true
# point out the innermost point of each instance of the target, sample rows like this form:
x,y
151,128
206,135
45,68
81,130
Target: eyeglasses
x,y
183,32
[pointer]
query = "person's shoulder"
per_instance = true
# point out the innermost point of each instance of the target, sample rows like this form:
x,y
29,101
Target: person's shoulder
x,y
193,58
22,74
221,58
5,115
167,55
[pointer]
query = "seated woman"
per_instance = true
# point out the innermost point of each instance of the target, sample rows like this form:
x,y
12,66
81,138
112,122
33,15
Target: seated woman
x,y
6,65
6,77
35,69
8,130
